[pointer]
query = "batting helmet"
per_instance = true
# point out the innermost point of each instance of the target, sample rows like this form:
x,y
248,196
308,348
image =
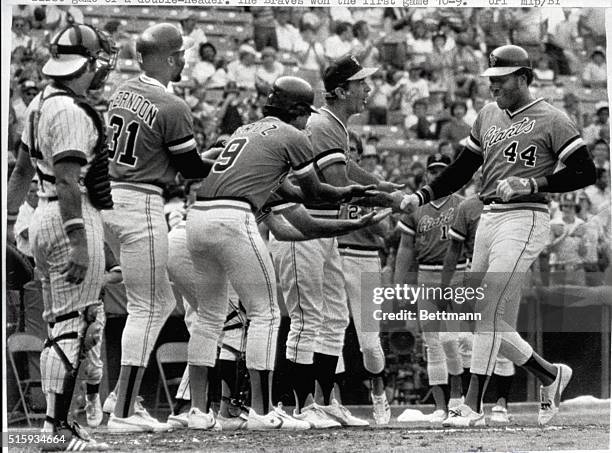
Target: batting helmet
x,y
76,45
160,39
506,60
291,95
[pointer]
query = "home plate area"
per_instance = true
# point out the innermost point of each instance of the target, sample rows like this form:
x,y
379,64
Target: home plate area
x,y
582,426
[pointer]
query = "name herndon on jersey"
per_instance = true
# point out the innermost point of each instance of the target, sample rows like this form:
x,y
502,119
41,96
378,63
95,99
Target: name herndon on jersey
x,y
495,135
426,223
135,103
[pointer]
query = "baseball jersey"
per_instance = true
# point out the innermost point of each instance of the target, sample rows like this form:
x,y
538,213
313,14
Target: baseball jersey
x,y
330,145
527,143
363,238
256,159
429,225
147,125
48,140
464,227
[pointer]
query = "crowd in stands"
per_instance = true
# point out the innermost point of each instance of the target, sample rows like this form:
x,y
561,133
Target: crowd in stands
x,y
427,91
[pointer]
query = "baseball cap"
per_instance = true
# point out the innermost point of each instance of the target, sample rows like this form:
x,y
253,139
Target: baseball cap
x,y
28,84
345,69
601,105
245,48
599,50
370,151
438,160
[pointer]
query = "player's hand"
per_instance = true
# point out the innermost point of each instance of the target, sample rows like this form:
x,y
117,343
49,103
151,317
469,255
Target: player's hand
x,y
78,261
374,217
356,190
511,187
386,186
404,203
212,153
375,198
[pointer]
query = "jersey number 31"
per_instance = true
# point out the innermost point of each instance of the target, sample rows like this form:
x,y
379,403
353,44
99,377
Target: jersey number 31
x,y
126,151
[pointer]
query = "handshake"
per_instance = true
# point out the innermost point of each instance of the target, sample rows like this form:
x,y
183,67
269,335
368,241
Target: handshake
x,y
386,195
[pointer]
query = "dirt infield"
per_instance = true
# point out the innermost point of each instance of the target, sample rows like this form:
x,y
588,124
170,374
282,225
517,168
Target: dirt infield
x,y
576,428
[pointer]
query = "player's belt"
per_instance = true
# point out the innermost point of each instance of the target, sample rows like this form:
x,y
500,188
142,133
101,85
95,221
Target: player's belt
x,y
205,204
358,251
439,267
324,213
495,206
149,189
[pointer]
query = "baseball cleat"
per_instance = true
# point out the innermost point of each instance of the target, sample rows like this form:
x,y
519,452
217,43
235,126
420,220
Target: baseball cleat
x,y
93,411
263,422
438,416
232,423
380,409
139,422
289,422
455,402
499,414
196,419
338,412
550,395
75,438
179,421
109,403
316,417
463,416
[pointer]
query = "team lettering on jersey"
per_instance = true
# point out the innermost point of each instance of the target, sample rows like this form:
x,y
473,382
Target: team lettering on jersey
x,y
137,104
427,223
495,135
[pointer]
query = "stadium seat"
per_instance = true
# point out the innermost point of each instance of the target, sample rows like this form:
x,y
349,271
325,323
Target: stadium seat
x,y
26,344
175,352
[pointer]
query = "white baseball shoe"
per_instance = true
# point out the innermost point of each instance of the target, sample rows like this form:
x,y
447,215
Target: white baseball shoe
x,y
263,422
289,422
75,438
341,414
463,416
93,411
380,409
499,415
139,422
550,395
109,403
438,416
232,423
196,419
179,421
316,417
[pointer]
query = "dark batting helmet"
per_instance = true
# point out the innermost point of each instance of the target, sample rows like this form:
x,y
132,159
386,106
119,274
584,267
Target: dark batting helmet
x,y
506,60
291,95
160,39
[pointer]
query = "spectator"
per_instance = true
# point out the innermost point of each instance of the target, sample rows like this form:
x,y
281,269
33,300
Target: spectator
x,y
242,71
440,62
595,74
363,47
204,69
378,99
220,77
423,129
370,160
474,107
269,71
599,193
287,36
58,17
495,25
410,89
543,74
596,241
571,106
465,58
20,33
562,43
264,27
339,43
22,225
229,115
28,89
418,41
600,126
193,37
592,27
456,129
126,44
527,29
311,56
601,154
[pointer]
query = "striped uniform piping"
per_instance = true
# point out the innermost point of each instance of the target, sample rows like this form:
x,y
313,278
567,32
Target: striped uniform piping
x,y
182,145
569,147
222,203
456,235
439,267
149,189
323,213
405,228
348,251
504,207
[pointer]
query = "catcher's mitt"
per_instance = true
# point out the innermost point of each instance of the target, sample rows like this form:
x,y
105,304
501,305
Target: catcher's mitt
x,y
19,270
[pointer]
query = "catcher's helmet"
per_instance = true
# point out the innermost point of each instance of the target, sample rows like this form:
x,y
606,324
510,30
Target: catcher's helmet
x,y
506,60
291,95
76,45
160,39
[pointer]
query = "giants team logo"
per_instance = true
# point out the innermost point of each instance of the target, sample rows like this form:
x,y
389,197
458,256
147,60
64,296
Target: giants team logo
x,y
492,60
427,223
495,135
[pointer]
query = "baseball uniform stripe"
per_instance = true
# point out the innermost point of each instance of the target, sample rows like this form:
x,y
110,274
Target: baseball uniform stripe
x,y
282,207
300,329
405,228
569,147
505,207
502,294
149,189
358,253
269,287
522,109
473,144
183,147
330,158
323,213
151,298
70,153
303,169
222,203
456,235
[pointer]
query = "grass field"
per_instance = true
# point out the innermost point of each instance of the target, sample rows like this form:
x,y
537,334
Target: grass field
x,y
577,427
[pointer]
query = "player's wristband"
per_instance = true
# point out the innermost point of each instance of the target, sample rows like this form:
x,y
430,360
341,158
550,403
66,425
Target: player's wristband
x,y
533,184
73,225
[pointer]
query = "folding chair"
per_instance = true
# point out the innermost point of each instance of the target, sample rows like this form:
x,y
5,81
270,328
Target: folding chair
x,y
175,352
24,343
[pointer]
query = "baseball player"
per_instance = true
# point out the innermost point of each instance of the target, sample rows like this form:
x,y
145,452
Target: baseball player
x,y
462,234
60,142
518,141
225,244
425,239
152,140
359,253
